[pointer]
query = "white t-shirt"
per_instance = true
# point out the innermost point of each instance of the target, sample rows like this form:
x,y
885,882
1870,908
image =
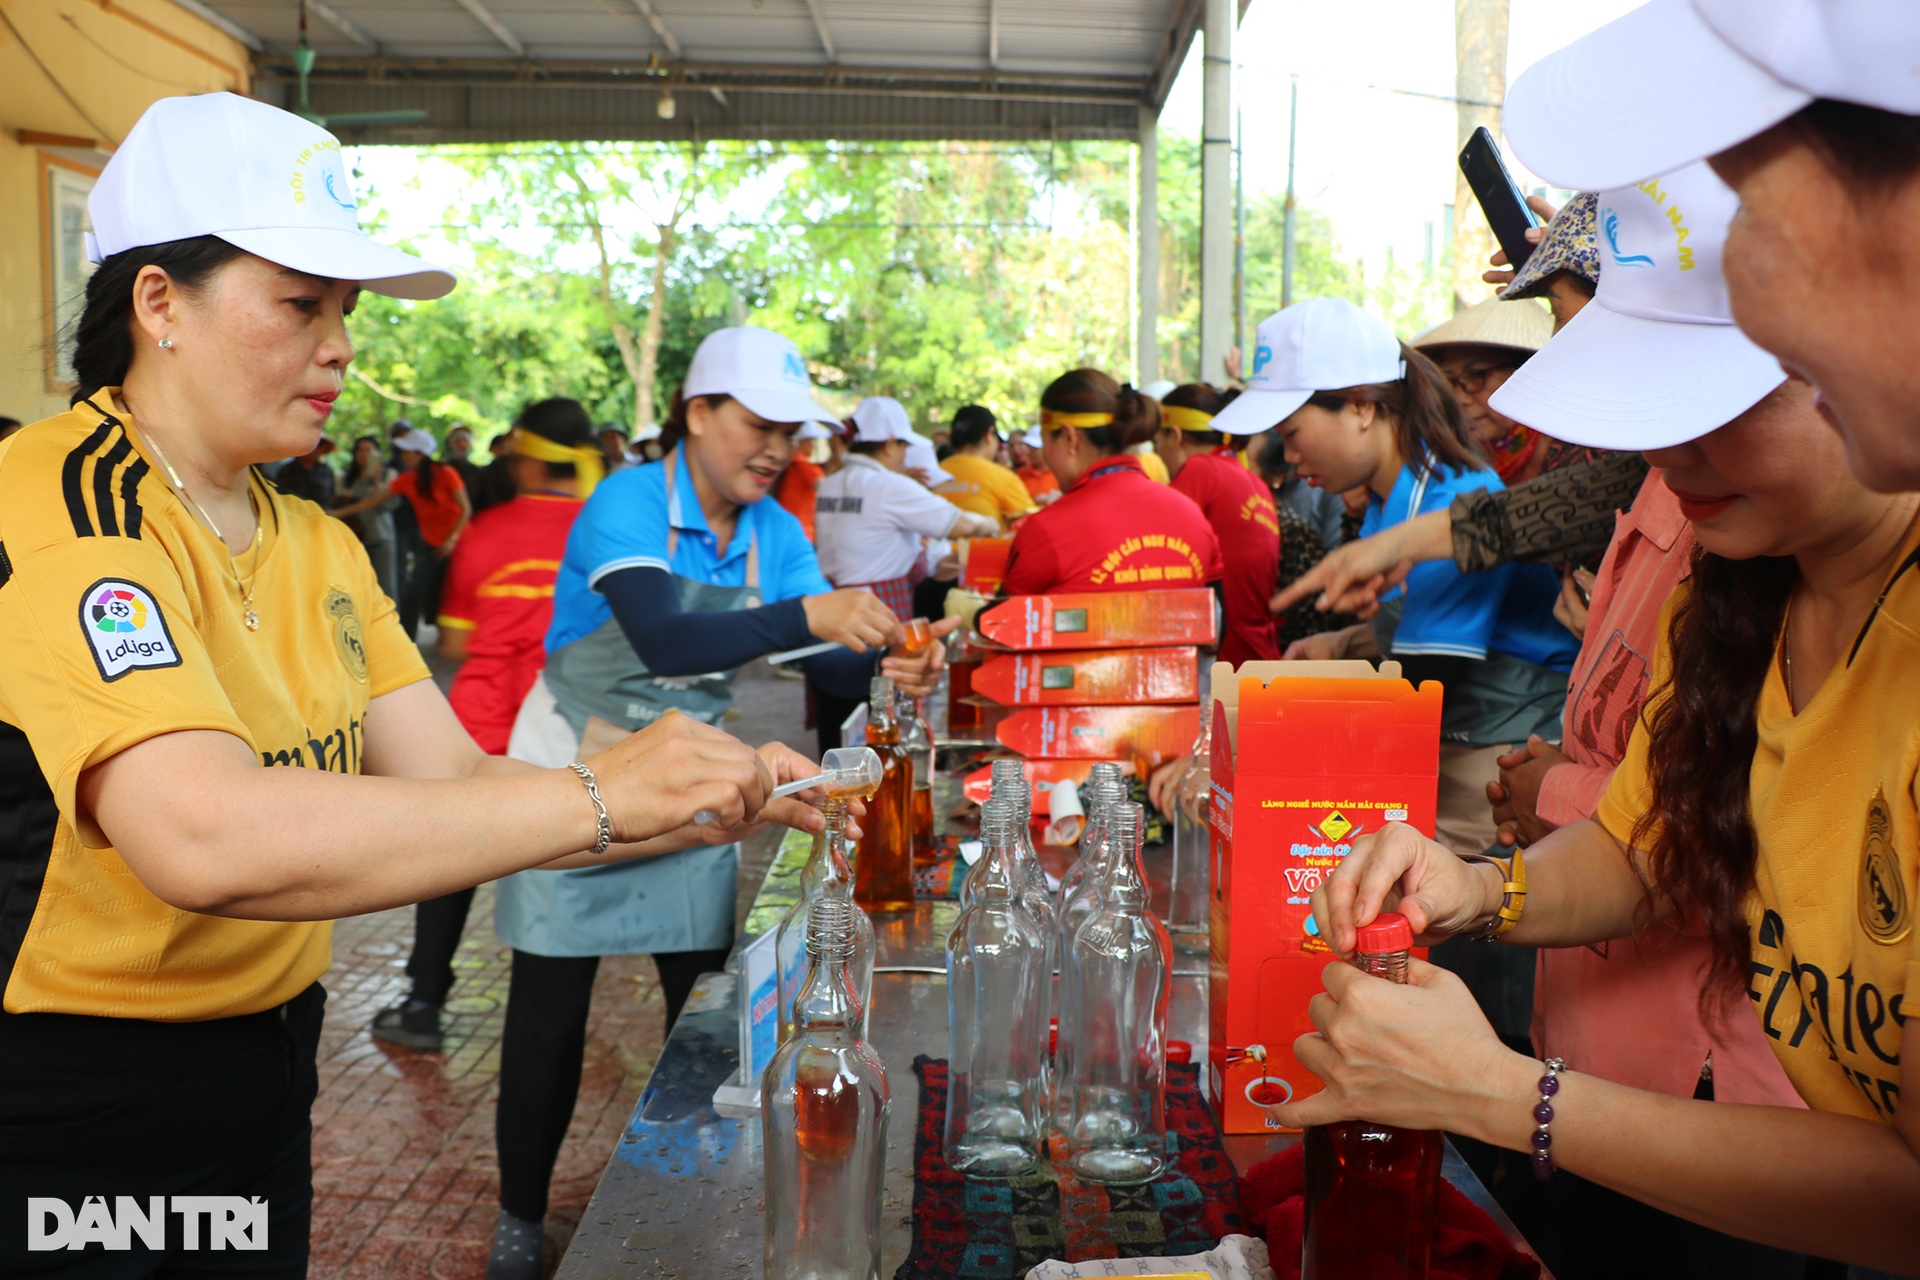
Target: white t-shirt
x,y
868,522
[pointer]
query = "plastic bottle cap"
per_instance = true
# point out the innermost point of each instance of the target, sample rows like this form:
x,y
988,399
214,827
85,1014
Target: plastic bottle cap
x,y
1388,932
1179,1051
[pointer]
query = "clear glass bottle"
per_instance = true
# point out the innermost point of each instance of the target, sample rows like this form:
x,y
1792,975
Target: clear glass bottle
x,y
1122,969
916,739
996,1025
1081,892
1102,774
1372,1193
1189,913
828,873
824,1101
883,868
1010,784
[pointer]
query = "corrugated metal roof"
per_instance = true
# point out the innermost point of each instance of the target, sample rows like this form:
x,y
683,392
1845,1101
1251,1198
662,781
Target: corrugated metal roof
x,y
734,68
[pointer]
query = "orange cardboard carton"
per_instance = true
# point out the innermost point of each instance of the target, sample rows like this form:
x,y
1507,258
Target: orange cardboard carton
x,y
1099,620
978,786
1307,757
1147,736
1090,677
983,564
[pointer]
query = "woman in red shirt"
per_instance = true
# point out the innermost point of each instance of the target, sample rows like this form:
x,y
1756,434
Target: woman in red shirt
x,y
1204,464
1113,529
493,620
440,504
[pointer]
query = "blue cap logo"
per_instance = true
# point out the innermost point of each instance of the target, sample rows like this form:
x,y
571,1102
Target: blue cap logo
x,y
1262,354
1610,224
793,368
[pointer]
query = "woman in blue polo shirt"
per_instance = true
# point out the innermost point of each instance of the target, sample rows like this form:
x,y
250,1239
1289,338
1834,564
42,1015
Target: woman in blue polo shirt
x,y
676,574
1355,406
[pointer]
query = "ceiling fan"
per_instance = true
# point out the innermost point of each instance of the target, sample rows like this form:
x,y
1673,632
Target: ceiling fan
x,y
303,59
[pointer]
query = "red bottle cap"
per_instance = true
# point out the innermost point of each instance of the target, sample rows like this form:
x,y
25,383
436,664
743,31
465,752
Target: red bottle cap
x,y
1388,932
1179,1051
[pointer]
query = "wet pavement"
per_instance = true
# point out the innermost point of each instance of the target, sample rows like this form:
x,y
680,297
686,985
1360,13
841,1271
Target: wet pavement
x,y
404,1172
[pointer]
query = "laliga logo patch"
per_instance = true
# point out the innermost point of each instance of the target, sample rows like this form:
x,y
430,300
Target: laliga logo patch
x,y
125,628
1610,223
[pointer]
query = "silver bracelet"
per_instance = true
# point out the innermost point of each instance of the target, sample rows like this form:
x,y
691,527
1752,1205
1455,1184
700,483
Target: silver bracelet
x,y
599,807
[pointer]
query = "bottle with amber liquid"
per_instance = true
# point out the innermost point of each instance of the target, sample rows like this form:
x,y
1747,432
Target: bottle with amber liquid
x,y
883,867
824,1101
916,739
1372,1191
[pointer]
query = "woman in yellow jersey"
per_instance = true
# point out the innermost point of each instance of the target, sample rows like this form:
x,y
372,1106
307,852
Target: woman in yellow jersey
x,y
980,484
214,737
1769,796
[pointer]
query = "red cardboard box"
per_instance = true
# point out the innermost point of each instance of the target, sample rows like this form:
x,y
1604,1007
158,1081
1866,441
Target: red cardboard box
x,y
983,564
1099,620
1147,736
1307,756
978,786
1090,677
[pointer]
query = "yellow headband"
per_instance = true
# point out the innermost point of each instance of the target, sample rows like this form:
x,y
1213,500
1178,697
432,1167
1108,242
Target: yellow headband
x,y
1185,419
1053,420
589,464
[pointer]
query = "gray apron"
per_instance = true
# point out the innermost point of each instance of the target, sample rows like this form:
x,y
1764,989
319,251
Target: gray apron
x,y
677,902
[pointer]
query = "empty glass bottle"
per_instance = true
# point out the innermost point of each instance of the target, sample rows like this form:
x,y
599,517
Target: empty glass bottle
x,y
996,1021
1189,914
1116,1126
1372,1191
824,1102
883,867
1010,784
827,873
1080,899
1103,774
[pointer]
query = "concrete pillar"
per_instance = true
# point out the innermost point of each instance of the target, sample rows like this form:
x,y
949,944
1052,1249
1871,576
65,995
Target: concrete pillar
x,y
1147,222
1216,193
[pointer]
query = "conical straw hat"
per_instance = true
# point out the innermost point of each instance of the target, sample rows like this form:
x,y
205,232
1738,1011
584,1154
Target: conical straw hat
x,y
1524,325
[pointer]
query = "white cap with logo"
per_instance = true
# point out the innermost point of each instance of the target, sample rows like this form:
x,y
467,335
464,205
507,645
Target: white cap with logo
x,y
415,440
1675,81
1654,359
1321,344
262,179
759,368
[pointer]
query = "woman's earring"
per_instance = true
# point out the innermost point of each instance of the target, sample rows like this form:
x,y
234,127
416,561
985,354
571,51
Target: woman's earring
x,y
166,344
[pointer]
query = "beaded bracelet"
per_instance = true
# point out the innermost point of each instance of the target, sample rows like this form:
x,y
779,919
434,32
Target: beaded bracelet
x,y
1543,1117
601,821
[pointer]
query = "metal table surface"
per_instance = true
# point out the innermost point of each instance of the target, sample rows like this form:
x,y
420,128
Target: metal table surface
x,y
682,1194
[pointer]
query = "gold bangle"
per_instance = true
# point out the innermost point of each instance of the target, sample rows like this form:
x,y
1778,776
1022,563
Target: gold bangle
x,y
1514,901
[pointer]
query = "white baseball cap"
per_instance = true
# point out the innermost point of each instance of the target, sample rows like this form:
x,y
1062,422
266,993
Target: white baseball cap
x,y
759,368
1675,81
262,179
1033,438
1321,344
811,431
882,418
416,440
1655,358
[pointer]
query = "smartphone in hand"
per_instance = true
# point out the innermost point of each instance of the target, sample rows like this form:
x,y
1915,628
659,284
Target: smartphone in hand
x,y
1500,199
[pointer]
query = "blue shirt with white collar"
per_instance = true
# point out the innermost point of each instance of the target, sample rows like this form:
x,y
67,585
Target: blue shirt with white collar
x,y
624,526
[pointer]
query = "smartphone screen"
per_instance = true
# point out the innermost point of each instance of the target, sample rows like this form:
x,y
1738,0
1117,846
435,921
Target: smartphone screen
x,y
1506,209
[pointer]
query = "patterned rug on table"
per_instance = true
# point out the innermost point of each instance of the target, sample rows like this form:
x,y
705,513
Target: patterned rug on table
x,y
973,1230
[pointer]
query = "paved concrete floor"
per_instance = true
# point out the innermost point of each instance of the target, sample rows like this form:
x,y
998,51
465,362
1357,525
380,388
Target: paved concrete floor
x,y
405,1179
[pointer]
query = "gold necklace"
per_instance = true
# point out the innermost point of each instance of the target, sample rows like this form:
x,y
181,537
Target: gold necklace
x,y
247,615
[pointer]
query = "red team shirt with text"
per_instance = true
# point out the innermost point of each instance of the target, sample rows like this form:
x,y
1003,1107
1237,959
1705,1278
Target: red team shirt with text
x,y
1114,529
1240,509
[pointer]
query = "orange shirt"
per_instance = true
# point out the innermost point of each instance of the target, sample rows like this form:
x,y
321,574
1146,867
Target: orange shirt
x,y
1114,530
797,488
1038,480
438,511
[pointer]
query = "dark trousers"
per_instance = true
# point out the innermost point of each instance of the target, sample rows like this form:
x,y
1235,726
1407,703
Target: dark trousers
x,y
829,712
541,1052
437,925
118,1107
420,590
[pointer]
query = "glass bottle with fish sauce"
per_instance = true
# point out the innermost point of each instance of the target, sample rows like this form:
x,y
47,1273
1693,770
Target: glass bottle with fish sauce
x,y
824,1100
916,738
883,867
1372,1191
